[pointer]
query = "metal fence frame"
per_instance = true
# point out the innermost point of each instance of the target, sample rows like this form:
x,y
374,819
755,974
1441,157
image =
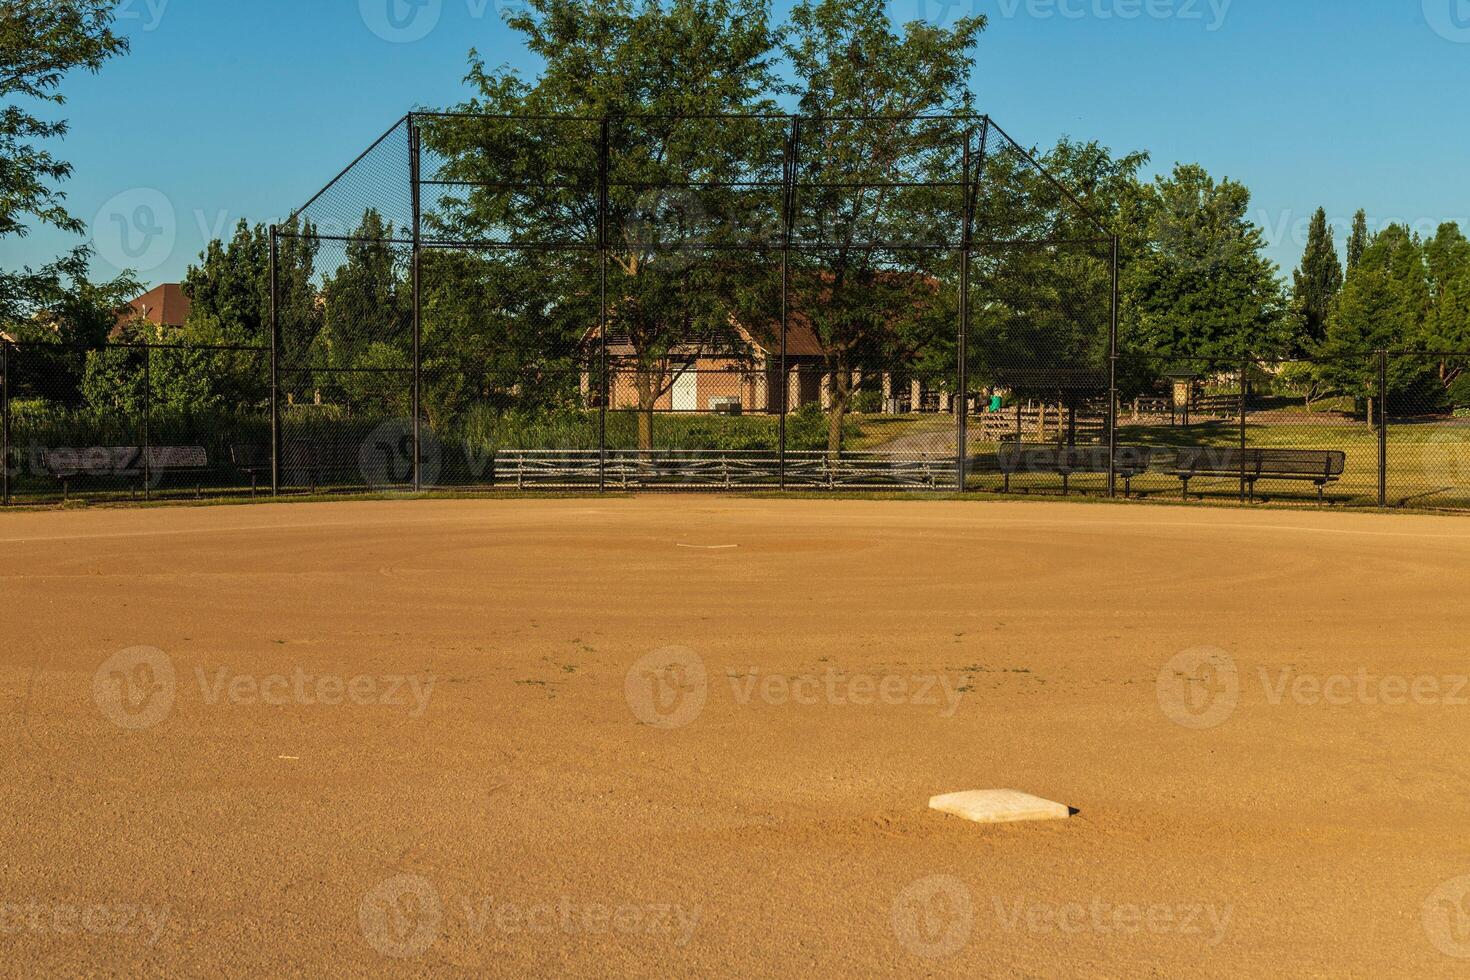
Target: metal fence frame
x,y
974,158
981,136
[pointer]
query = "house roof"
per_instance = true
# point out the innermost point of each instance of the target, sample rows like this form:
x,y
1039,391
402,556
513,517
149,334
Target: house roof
x,y
163,306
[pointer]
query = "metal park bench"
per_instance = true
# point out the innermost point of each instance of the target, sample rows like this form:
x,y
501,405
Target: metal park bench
x,y
148,466
1065,461
1317,466
252,459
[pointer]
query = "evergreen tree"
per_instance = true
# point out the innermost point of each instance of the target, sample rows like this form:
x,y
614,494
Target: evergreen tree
x,y
1319,279
1357,240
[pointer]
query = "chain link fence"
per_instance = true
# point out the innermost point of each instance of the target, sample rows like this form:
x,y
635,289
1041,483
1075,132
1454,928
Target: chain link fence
x,y
742,302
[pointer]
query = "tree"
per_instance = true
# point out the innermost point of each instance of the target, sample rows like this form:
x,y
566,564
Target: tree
x,y
41,42
1357,240
1201,286
1447,328
1383,306
367,301
872,304
638,63
1319,278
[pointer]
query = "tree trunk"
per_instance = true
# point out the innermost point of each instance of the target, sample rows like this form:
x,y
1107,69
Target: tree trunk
x,y
647,397
841,400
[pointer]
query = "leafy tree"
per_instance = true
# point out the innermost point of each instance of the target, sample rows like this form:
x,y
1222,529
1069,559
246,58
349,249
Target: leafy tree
x,y
367,300
1201,286
871,304
1358,240
1384,305
638,63
41,42
1447,258
1319,278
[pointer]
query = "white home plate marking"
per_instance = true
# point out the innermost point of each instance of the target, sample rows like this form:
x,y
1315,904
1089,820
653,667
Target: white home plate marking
x,y
999,806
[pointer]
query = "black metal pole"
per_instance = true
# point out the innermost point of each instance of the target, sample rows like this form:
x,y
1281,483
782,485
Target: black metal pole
x,y
4,422
1244,376
602,255
275,314
1113,379
962,415
788,222
147,419
418,364
1383,428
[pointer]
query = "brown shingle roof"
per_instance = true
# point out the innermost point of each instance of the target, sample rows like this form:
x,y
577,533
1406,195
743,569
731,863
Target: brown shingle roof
x,y
162,306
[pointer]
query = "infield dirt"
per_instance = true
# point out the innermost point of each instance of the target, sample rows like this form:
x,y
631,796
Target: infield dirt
x,y
697,736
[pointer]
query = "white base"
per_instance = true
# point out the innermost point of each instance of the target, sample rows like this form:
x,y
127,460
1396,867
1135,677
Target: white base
x,y
999,806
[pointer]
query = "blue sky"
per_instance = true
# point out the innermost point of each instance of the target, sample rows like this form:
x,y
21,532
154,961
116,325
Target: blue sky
x,y
227,110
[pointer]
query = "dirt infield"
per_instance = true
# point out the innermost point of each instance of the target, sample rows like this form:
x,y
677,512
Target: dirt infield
x,y
697,735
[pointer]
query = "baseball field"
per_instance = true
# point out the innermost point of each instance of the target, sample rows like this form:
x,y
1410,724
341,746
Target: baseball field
x,y
687,735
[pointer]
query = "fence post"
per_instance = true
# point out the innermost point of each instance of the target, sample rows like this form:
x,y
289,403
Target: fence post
x,y
1113,379
602,257
414,181
962,410
275,314
147,421
1383,428
788,224
4,422
1245,370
